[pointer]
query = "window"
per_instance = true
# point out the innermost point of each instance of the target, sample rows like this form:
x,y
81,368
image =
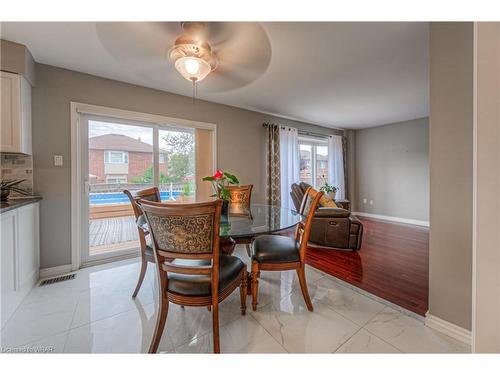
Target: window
x,y
116,157
162,158
313,161
116,179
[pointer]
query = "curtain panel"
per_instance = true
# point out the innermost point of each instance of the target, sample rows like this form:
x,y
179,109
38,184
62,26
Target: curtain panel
x,y
289,163
273,184
336,164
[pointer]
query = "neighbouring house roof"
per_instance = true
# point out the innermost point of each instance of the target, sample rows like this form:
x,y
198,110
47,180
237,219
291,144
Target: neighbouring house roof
x,y
119,142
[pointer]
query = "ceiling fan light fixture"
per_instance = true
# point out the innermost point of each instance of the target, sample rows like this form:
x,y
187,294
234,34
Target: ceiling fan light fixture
x,y
192,68
192,55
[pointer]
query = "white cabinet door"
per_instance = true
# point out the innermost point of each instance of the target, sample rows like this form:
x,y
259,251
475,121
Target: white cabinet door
x,y
19,256
8,266
28,247
11,112
16,114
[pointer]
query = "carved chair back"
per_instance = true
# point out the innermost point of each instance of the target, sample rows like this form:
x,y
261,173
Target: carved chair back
x,y
241,195
240,199
185,231
151,194
308,207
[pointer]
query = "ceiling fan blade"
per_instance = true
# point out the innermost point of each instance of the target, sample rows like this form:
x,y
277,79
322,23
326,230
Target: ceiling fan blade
x,y
243,51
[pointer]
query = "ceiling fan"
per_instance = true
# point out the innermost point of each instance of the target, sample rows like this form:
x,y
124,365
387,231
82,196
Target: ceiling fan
x,y
225,55
192,54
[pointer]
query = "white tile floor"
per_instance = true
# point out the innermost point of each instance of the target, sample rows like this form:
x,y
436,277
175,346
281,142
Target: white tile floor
x,y
95,314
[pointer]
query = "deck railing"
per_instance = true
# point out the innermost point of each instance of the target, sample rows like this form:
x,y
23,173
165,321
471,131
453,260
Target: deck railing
x,y
118,187
123,207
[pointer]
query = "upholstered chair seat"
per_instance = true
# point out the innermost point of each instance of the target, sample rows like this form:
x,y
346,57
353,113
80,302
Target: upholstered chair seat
x,y
283,253
200,285
275,249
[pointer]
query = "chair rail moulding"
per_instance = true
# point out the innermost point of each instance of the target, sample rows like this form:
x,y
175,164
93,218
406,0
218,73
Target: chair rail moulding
x,y
77,139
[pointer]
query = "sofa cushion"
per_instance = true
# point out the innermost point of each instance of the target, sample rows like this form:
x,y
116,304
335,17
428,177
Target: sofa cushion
x,y
331,212
304,186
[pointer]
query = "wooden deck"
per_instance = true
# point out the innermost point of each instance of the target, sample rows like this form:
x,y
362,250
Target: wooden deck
x,y
110,234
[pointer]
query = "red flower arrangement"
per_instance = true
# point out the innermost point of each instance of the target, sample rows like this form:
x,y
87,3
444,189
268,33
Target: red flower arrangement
x,y
220,181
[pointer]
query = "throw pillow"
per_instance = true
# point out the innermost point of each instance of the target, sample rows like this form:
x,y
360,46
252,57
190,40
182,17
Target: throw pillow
x,y
326,201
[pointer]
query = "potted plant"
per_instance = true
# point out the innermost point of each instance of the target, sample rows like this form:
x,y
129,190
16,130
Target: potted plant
x,y
328,189
11,185
220,181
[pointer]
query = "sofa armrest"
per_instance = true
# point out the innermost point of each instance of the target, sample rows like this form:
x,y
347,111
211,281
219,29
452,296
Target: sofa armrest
x,y
354,220
330,212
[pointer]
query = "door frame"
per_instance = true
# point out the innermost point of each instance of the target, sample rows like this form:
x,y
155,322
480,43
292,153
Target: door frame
x,y
77,164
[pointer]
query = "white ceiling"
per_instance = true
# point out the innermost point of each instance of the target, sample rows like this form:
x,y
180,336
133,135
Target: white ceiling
x,y
343,75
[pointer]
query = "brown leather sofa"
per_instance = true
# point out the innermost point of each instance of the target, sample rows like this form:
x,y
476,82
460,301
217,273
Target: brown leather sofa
x,y
332,227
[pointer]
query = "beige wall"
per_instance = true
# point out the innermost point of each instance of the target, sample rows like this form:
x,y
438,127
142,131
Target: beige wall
x,y
486,286
204,165
240,141
392,170
451,111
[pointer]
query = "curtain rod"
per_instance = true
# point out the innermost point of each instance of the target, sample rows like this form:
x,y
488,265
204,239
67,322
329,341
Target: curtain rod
x,y
265,125
312,134
303,132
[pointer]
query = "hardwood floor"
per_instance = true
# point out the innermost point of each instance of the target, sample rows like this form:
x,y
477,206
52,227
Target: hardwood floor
x,y
393,263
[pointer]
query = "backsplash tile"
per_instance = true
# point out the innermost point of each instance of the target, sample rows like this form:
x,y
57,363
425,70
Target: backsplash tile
x,y
18,167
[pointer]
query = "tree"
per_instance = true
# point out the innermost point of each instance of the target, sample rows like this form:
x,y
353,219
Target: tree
x,y
179,142
180,159
181,156
147,177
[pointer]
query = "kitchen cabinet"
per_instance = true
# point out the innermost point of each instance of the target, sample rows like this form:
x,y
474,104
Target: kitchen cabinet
x,y
16,114
20,252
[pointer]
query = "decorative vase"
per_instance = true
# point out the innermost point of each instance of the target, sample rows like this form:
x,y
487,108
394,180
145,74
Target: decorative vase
x,y
332,194
5,194
225,212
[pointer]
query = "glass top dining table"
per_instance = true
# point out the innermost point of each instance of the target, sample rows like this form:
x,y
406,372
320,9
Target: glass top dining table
x,y
243,222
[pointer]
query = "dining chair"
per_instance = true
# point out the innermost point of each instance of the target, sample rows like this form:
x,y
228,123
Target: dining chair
x,y
240,200
150,194
241,195
191,271
283,253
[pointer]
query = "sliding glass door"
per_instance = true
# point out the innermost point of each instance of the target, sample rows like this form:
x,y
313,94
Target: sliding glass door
x,y
121,154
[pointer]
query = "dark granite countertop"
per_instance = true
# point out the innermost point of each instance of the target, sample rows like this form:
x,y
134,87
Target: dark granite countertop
x,y
12,204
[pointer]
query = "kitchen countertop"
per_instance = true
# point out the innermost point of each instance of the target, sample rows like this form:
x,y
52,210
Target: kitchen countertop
x,y
12,204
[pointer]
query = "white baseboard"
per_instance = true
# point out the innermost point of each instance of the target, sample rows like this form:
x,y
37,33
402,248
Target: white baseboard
x,y
55,271
449,329
421,223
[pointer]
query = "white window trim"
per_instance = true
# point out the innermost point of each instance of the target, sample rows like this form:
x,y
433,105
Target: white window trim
x,y
124,156
78,185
